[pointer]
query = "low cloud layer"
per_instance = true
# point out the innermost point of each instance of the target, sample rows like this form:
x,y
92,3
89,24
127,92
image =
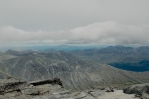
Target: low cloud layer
x,y
108,32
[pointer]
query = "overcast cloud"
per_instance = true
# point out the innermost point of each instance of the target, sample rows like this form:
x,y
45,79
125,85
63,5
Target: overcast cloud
x,y
74,22
108,32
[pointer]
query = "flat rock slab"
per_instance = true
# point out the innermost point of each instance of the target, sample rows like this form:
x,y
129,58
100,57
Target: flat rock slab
x,y
118,94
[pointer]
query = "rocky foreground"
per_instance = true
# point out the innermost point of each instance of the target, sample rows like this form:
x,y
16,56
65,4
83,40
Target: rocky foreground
x,y
12,88
140,90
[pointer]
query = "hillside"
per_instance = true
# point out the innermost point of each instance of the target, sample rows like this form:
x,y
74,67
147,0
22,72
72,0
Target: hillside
x,y
127,58
74,72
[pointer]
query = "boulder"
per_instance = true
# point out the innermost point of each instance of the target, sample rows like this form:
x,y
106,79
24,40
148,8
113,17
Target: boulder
x,y
11,84
140,90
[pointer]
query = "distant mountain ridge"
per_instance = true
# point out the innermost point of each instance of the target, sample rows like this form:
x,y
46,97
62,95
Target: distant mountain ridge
x,y
74,72
128,58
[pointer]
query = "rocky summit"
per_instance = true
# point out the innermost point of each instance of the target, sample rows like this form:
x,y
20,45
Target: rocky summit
x,y
140,90
13,88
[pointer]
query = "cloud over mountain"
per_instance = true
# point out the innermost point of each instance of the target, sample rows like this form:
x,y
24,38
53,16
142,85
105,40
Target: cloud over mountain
x,y
108,32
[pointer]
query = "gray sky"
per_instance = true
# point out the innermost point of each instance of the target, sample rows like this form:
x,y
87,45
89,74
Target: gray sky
x,y
25,22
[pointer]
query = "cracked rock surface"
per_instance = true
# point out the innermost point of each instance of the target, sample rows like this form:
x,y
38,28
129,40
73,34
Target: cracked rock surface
x,y
52,89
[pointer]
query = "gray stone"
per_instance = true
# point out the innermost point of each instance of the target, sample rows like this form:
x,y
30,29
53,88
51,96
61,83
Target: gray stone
x,y
141,90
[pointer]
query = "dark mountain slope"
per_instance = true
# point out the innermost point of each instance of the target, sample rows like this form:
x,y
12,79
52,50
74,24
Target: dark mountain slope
x,y
128,58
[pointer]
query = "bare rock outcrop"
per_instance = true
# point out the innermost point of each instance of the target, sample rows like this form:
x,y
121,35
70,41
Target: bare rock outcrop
x,y
11,84
47,81
140,90
42,89
48,89
13,88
